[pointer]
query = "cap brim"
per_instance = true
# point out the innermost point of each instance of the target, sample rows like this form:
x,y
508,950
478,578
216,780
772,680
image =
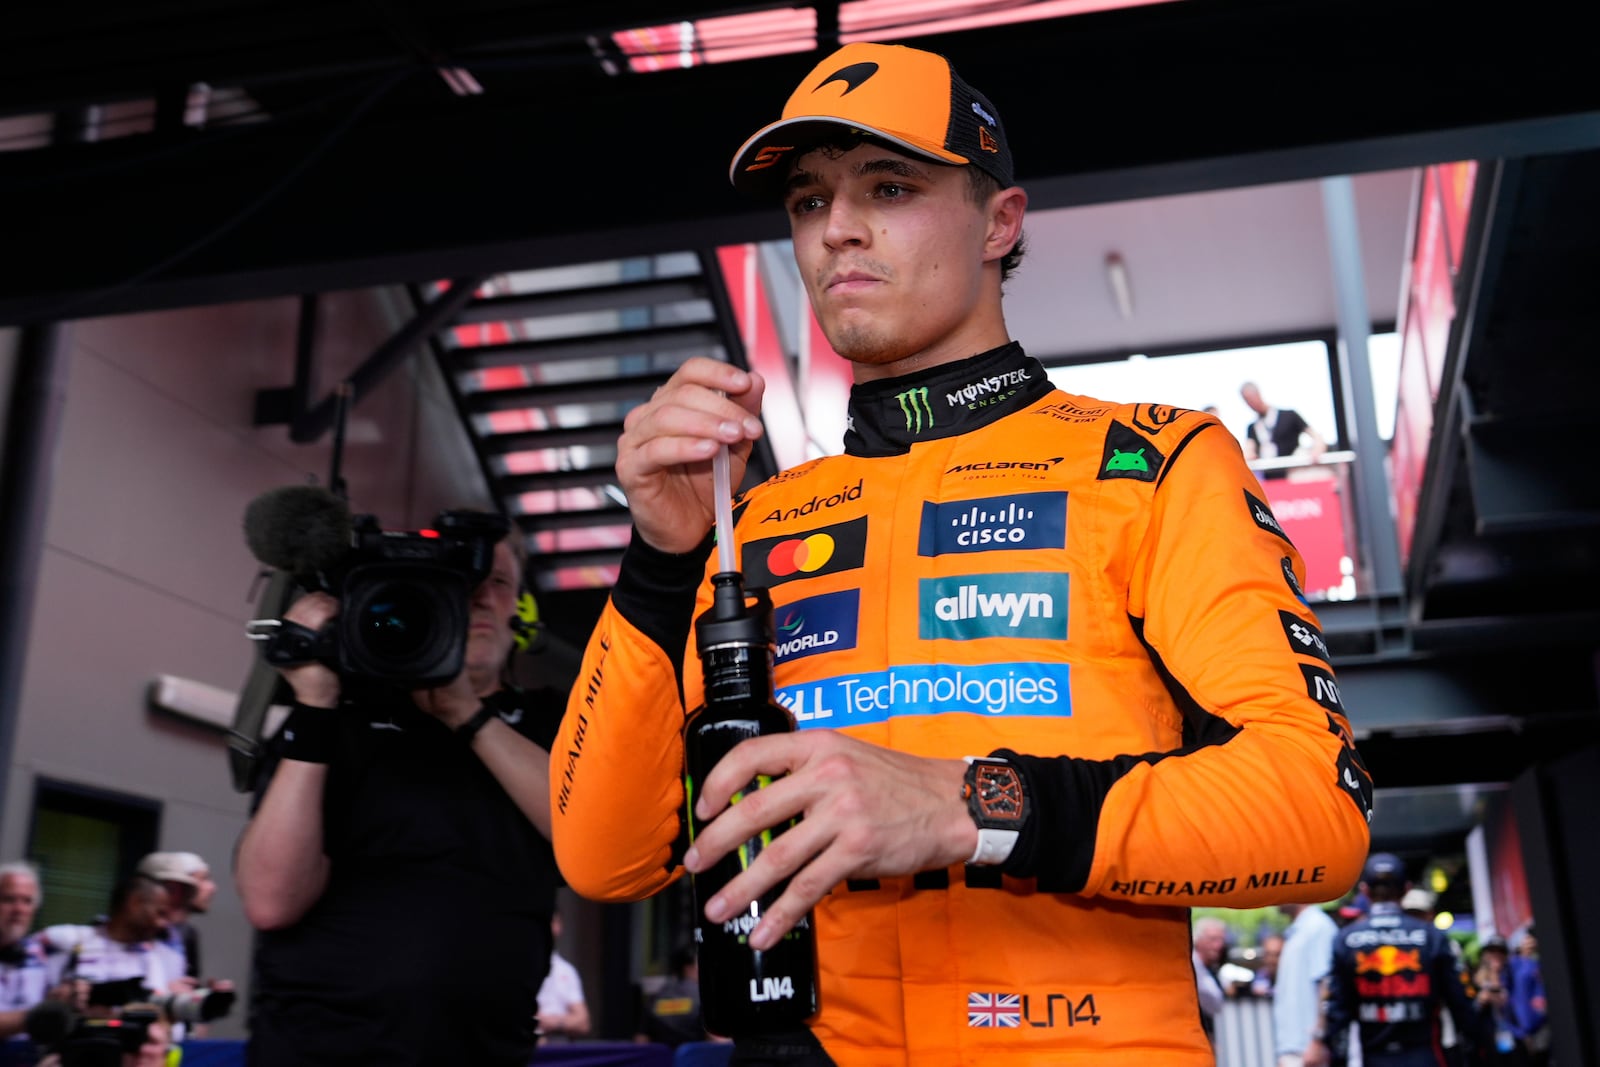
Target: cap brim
x,y
796,136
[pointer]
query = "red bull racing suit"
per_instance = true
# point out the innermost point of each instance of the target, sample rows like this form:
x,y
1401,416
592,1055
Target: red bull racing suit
x,y
1392,974
995,565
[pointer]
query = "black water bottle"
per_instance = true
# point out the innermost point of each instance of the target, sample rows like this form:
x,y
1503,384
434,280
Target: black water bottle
x,y
743,991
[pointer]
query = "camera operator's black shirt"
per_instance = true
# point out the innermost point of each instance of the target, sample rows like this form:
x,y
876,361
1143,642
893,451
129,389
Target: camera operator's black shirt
x,y
429,944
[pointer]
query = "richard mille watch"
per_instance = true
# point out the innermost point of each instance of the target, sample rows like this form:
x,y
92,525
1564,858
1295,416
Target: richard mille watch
x,y
997,800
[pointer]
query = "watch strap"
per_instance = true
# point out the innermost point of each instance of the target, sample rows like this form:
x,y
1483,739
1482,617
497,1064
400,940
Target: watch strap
x,y
480,718
994,847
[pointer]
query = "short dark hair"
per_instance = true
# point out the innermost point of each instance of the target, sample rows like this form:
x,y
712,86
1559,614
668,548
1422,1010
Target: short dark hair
x,y
981,185
133,887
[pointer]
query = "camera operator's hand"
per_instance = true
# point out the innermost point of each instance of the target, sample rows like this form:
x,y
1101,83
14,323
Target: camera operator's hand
x,y
314,684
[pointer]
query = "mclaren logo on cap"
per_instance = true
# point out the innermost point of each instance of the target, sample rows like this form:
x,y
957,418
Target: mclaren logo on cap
x,y
768,156
852,76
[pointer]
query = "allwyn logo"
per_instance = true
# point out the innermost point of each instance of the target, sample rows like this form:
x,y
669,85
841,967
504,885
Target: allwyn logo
x,y
969,606
970,603
914,406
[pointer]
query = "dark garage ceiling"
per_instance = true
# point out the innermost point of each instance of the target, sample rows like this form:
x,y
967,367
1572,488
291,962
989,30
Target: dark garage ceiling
x,y
368,170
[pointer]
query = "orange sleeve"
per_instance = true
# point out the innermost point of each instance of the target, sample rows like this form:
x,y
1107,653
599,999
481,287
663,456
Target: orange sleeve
x,y
616,771
1266,801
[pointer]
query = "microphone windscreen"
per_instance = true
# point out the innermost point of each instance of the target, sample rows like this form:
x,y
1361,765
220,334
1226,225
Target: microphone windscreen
x,y
300,529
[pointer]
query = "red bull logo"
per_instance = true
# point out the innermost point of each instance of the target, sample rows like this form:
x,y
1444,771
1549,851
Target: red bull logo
x,y
1388,960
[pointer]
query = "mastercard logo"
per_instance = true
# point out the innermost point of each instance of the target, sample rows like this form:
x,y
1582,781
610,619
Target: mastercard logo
x,y
800,555
830,549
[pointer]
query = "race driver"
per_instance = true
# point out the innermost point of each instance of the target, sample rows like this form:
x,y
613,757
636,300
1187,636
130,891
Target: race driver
x,y
1095,595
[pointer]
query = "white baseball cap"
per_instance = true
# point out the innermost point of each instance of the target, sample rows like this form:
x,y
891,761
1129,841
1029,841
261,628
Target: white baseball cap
x,y
183,867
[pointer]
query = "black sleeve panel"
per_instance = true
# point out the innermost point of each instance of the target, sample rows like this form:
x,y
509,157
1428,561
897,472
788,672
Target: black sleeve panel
x,y
1057,843
655,592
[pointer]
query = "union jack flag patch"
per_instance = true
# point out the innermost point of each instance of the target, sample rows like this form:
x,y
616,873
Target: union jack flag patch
x,y
994,1009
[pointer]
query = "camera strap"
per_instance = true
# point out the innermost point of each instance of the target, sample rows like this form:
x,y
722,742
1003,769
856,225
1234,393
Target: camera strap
x,y
263,687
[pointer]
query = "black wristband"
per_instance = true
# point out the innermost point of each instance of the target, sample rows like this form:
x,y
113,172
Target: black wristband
x,y
469,729
308,734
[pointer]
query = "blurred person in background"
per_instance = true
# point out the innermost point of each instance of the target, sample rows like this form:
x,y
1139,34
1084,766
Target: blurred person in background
x,y
1267,970
190,888
1528,1006
563,1011
24,978
669,1013
1493,1003
129,944
1419,903
1393,975
1276,433
1302,967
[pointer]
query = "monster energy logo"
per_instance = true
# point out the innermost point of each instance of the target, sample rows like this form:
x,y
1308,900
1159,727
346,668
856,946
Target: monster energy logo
x,y
746,855
914,405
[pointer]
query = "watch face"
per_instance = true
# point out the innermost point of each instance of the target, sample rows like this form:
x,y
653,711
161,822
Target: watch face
x,y
997,791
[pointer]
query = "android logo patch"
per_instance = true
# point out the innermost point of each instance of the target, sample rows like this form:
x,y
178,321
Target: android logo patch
x,y
1129,455
1127,461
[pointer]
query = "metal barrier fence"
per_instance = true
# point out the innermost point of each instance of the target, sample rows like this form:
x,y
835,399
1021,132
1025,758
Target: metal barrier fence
x,y
1244,1033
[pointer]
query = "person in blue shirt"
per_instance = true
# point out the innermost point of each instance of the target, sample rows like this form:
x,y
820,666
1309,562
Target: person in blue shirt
x,y
1303,963
1527,1002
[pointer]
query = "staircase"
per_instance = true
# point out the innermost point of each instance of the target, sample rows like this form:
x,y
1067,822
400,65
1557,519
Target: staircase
x,y
544,365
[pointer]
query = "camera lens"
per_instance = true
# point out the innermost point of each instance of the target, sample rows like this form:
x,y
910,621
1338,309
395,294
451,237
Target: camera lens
x,y
403,622
397,621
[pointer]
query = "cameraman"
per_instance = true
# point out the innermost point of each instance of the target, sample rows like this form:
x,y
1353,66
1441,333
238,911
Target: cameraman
x,y
128,946
397,864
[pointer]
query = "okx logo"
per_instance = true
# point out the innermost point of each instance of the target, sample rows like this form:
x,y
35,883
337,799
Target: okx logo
x,y
914,405
827,550
965,607
816,624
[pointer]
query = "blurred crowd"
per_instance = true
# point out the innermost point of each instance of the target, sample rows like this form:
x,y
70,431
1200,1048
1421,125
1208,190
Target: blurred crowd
x,y
1371,980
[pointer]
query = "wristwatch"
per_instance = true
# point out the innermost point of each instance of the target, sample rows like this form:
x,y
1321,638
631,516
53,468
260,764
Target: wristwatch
x,y
997,800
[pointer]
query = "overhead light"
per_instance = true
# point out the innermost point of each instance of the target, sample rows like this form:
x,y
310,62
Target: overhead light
x,y
460,81
1121,287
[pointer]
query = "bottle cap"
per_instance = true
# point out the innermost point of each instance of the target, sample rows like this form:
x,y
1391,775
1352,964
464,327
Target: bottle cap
x,y
731,619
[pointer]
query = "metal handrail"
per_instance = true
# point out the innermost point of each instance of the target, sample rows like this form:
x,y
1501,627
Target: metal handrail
x,y
1280,463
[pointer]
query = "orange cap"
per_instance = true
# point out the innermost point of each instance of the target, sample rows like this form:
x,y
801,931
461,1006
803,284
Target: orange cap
x,y
912,99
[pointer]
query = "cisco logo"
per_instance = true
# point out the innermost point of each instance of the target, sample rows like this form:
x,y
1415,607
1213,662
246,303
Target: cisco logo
x,y
1018,520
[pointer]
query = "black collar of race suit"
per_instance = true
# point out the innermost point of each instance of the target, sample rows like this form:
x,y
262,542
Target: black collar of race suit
x,y
888,416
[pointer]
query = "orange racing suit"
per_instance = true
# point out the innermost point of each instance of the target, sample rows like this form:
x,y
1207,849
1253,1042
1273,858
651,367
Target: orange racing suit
x,y
1097,590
